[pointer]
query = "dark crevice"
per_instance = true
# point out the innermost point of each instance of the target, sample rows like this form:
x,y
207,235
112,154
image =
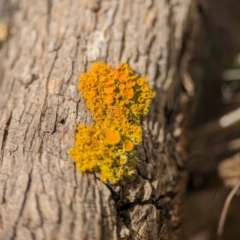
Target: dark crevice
x,y
115,195
63,121
5,134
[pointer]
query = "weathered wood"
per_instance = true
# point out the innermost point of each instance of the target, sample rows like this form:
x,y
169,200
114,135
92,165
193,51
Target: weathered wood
x,y
51,43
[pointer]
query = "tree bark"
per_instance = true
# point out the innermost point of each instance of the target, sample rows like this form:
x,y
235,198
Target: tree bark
x,y
50,45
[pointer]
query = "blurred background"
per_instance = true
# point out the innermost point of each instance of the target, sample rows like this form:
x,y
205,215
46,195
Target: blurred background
x,y
213,125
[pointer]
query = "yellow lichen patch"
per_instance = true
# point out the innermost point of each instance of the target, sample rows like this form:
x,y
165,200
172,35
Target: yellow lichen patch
x,y
117,99
113,137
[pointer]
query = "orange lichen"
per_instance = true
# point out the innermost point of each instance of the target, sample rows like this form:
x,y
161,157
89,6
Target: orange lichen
x,y
121,86
109,89
117,99
128,145
123,159
130,83
113,137
108,99
141,81
128,93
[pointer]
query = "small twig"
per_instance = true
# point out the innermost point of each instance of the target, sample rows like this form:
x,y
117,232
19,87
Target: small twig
x,y
230,118
231,75
225,209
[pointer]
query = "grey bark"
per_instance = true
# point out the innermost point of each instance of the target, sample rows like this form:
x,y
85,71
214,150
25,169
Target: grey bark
x,y
51,44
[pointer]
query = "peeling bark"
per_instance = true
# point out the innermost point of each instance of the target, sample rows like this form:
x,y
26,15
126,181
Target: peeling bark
x,y
51,43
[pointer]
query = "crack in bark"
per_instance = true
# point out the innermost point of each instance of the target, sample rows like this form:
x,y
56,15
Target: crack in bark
x,y
5,133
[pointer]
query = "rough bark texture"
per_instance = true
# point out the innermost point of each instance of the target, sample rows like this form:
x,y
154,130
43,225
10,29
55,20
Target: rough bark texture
x,y
51,43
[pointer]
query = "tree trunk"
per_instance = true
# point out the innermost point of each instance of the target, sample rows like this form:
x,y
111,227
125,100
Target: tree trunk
x,y
51,43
